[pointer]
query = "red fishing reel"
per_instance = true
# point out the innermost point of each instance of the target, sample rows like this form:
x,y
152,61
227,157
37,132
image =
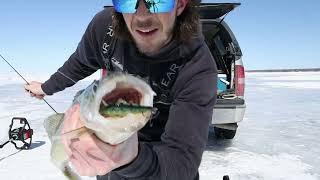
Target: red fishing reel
x,y
20,133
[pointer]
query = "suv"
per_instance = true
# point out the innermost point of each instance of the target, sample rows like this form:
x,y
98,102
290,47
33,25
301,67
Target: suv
x,y
230,105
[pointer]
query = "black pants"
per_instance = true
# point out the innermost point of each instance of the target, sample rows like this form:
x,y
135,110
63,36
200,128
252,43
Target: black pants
x,y
114,176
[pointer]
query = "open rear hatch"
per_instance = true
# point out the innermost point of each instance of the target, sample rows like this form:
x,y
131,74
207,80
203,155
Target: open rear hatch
x,y
222,44
215,10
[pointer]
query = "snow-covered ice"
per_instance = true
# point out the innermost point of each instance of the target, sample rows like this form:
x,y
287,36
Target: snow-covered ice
x,y
278,139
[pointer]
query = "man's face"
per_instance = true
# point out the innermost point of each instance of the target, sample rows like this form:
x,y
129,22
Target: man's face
x,y
152,31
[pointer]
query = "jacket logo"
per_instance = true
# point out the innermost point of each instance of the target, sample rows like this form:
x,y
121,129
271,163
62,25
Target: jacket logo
x,y
105,46
173,70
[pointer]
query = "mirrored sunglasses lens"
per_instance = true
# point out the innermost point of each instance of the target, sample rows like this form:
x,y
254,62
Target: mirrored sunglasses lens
x,y
125,6
154,6
160,6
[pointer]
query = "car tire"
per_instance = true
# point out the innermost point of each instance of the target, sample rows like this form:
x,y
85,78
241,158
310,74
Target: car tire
x,y
226,177
221,133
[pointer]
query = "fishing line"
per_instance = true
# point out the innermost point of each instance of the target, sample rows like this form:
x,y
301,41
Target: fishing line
x,y
3,158
26,82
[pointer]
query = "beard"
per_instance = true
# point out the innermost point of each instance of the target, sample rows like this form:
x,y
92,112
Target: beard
x,y
152,43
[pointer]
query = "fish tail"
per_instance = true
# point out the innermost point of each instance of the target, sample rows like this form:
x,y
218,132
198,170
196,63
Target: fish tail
x,y
70,174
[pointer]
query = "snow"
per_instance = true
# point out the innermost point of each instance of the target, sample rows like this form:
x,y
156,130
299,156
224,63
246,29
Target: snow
x,y
298,80
248,165
278,139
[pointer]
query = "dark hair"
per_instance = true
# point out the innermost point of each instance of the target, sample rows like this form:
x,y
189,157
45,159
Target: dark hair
x,y
187,24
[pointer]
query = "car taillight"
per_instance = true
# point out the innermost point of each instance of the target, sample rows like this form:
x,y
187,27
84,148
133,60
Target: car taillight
x,y
239,80
103,72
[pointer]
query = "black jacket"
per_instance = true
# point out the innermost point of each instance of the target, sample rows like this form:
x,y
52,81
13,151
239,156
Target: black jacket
x,y
171,145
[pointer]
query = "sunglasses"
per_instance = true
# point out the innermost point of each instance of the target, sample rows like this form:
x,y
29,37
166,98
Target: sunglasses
x,y
154,6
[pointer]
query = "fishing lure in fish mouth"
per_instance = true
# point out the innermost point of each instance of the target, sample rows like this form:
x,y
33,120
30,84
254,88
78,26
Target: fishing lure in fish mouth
x,y
122,110
122,101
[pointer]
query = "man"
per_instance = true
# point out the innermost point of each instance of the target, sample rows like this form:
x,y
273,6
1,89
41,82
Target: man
x,y
161,43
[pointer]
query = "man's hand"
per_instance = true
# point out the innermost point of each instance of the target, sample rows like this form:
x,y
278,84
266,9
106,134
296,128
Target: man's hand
x,y
35,90
88,154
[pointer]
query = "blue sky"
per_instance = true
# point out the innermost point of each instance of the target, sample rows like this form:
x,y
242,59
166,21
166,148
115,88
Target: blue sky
x,y
38,36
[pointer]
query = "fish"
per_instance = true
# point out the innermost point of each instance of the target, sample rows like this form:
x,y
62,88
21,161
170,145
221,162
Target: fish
x,y
113,108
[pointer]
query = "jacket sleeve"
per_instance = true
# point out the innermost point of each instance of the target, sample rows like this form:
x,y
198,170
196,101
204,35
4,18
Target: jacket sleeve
x,y
85,60
179,153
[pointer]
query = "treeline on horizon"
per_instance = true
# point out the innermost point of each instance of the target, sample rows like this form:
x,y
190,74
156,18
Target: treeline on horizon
x,y
286,70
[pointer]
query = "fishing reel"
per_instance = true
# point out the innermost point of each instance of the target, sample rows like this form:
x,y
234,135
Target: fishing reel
x,y
20,133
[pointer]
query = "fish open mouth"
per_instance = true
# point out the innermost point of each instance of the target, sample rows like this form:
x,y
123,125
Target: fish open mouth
x,y
128,96
122,101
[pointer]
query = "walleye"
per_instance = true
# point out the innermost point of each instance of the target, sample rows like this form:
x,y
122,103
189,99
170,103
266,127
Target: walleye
x,y
113,108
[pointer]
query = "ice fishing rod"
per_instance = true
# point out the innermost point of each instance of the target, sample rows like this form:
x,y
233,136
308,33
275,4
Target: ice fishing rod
x,y
26,82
